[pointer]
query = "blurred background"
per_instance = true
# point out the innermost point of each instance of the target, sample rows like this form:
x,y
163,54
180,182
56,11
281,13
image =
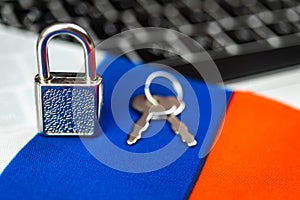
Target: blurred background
x,y
243,37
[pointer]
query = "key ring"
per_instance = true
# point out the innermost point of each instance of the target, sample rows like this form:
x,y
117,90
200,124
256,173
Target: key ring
x,y
176,85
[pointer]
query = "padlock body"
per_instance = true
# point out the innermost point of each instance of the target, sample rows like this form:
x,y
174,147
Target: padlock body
x,y
68,104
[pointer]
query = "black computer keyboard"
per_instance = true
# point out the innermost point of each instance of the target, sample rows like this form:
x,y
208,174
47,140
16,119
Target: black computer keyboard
x,y
243,37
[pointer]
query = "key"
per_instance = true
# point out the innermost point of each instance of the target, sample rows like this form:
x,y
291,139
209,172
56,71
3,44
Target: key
x,y
177,126
141,104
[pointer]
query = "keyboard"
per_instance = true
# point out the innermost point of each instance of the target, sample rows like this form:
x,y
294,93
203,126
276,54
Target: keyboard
x,y
243,37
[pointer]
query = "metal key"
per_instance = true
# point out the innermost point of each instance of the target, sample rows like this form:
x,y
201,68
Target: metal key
x,y
141,104
177,126
148,110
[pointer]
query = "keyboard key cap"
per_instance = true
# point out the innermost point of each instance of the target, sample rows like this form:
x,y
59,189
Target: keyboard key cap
x,y
194,16
283,28
205,41
159,21
147,20
48,18
82,8
151,55
273,4
76,8
164,2
123,4
235,8
243,36
289,3
104,28
8,15
69,7
36,17
142,16
32,16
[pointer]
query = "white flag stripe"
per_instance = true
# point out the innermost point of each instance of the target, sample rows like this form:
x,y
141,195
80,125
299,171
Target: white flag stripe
x,y
282,85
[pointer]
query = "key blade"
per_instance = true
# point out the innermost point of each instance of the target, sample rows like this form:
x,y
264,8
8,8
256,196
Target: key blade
x,y
141,104
182,130
136,133
138,128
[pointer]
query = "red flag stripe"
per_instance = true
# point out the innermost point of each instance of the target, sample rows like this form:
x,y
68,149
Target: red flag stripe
x,y
257,155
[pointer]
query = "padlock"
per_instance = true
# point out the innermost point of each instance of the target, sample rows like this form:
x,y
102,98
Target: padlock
x,y
67,103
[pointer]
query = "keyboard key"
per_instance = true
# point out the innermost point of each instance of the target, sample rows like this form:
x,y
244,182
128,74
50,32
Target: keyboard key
x,y
142,16
205,41
194,15
148,20
76,8
82,8
151,55
153,21
283,28
69,7
243,36
123,4
8,15
27,4
40,21
235,8
105,29
159,21
273,4
148,55
290,3
33,15
163,2
48,18
199,43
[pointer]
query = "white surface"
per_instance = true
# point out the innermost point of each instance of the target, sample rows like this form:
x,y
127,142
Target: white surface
x,y
282,86
18,68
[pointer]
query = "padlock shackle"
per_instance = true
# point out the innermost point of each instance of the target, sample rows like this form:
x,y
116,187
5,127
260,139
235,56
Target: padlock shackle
x,y
65,29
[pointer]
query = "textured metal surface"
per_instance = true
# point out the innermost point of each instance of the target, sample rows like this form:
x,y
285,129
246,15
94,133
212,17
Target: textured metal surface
x,y
69,110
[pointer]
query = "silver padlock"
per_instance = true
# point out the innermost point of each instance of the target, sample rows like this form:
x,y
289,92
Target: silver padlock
x,y
67,103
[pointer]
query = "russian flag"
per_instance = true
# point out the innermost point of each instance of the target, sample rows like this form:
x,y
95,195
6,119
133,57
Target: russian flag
x,y
248,148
